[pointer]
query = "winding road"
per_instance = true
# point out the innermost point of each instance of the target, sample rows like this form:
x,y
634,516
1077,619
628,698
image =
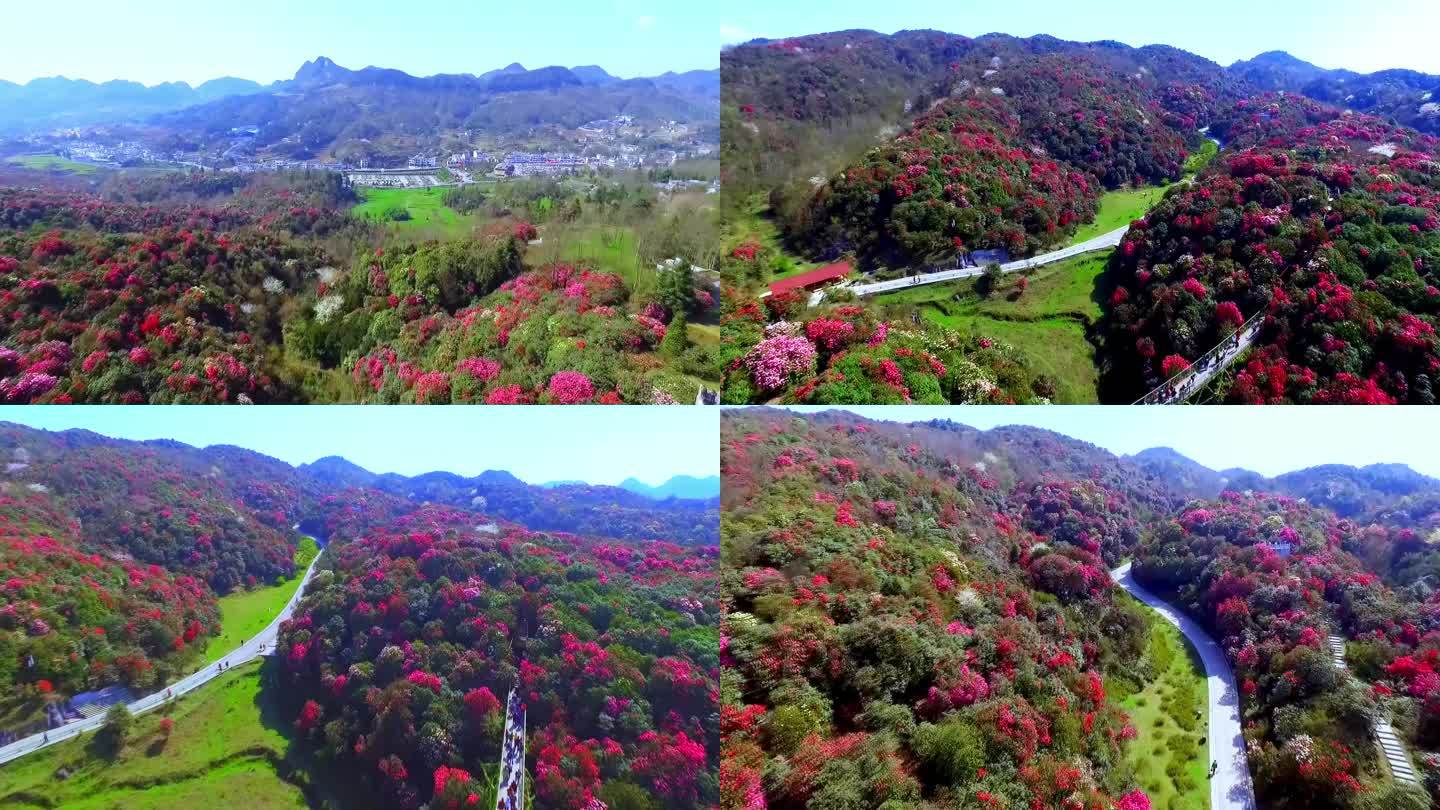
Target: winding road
x,y
1104,241
1231,785
262,644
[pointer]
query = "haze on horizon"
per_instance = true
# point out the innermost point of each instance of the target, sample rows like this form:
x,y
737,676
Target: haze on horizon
x,y
157,41
1363,37
537,445
1270,440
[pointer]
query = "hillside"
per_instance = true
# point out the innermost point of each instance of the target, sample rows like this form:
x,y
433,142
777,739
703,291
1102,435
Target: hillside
x,y
922,152
969,669
613,646
973,667
1328,224
263,288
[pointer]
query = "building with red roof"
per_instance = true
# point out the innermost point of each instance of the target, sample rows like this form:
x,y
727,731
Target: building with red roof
x,y
811,279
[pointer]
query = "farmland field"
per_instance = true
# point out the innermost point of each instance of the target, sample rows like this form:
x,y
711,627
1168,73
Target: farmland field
x,y
425,206
52,163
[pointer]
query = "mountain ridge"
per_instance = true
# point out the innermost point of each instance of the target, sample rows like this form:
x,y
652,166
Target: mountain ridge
x,y
57,101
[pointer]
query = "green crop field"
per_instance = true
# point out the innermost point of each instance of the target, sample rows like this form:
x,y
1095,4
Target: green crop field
x,y
1167,756
1047,323
426,206
220,752
245,613
53,163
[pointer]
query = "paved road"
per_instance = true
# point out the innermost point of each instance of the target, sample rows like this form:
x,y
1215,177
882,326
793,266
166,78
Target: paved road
x,y
1104,241
248,651
1231,785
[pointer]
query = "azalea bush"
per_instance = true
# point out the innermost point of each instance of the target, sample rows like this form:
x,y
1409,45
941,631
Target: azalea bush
x,y
397,654
891,634
845,354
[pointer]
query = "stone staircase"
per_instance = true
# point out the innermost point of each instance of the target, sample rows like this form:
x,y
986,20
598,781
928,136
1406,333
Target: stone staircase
x,y
1390,746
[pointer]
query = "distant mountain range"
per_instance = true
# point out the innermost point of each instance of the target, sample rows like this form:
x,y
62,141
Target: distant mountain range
x,y
498,98
677,486
844,75
346,473
1160,478
1408,96
1346,490
301,492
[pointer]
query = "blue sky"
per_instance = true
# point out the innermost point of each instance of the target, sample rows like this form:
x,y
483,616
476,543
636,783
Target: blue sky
x,y
152,41
595,444
1363,36
1268,440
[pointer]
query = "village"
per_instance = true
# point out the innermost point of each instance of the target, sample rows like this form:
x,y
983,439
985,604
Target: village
x,y
618,144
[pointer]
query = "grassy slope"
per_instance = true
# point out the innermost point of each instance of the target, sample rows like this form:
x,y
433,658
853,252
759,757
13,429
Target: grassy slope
x,y
1046,324
245,613
219,750
1166,754
1119,208
756,226
610,248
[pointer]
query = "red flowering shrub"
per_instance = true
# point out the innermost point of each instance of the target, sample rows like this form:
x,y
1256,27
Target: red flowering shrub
x,y
596,711
1343,288
869,696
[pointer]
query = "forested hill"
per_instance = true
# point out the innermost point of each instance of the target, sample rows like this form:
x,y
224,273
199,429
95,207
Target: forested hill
x,y
804,106
908,594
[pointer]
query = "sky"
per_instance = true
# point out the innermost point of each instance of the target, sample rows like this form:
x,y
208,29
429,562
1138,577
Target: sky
x,y
153,41
1361,36
598,445
1267,440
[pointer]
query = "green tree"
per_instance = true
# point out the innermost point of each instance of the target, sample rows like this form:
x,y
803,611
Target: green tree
x,y
676,338
118,724
952,750
675,290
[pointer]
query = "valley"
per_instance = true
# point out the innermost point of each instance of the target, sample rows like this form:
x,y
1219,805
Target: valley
x,y
1009,149
927,612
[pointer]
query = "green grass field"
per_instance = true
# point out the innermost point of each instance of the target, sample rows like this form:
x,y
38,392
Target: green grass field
x,y
427,208
245,613
1047,323
220,752
755,225
1207,152
1166,754
610,248
52,163
1119,208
